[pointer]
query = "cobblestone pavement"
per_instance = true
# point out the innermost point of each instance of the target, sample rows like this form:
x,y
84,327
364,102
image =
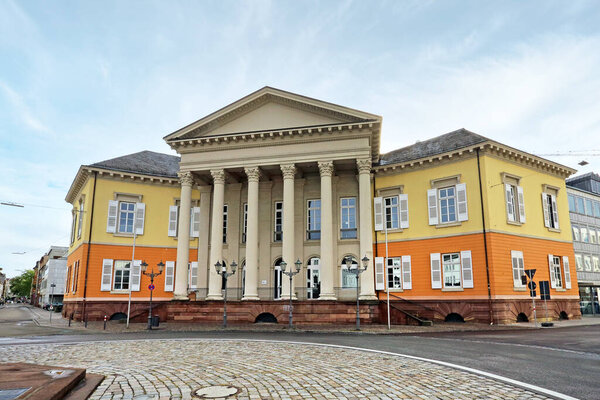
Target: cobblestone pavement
x,y
174,369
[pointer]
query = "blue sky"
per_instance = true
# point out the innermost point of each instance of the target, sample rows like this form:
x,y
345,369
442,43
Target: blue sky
x,y
84,81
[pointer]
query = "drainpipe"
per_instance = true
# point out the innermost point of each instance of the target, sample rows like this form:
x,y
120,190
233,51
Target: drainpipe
x,y
487,263
375,195
87,261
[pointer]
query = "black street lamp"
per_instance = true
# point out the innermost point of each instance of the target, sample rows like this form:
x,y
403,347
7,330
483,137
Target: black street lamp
x,y
222,270
152,275
290,273
356,270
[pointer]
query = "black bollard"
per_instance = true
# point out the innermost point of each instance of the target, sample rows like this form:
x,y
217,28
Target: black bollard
x,y
105,322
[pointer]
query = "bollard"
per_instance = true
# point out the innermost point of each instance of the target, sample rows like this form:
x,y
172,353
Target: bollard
x,y
85,321
105,322
70,318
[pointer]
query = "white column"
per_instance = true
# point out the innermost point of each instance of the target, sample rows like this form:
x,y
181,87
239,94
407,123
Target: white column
x,y
288,252
203,241
367,281
251,283
327,259
216,235
183,237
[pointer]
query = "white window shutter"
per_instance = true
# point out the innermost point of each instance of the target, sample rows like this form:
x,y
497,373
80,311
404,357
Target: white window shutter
x,y
111,222
567,270
403,201
195,222
378,210
436,270
140,213
406,273
379,273
193,277
521,202
432,206
136,274
515,256
552,274
554,212
173,210
467,268
510,205
169,275
106,284
461,202
546,210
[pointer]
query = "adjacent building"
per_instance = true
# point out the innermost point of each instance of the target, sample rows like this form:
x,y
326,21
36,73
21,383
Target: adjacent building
x,y
276,178
584,207
50,276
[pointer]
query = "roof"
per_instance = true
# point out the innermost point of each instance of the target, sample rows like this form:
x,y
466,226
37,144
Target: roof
x,y
584,177
145,162
438,145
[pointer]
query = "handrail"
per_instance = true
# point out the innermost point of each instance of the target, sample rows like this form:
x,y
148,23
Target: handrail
x,y
419,320
412,302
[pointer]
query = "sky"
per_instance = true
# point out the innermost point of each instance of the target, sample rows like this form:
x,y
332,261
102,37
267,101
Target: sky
x,y
85,81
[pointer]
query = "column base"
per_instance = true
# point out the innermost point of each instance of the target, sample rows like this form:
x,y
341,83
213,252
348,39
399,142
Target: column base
x,y
180,297
323,296
214,297
367,297
250,298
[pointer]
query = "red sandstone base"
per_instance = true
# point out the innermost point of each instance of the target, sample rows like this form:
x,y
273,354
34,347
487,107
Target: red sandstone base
x,y
325,312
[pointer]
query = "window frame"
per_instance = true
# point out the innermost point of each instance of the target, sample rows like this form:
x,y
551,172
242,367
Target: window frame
x,y
124,266
313,220
393,266
520,268
389,223
128,212
278,215
350,232
453,264
244,222
80,219
447,199
225,221
559,280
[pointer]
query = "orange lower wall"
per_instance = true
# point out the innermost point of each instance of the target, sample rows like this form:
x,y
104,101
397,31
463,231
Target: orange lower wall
x,y
151,255
535,255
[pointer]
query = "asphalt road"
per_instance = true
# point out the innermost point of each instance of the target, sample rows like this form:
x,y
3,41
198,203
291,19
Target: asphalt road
x,y
566,360
19,320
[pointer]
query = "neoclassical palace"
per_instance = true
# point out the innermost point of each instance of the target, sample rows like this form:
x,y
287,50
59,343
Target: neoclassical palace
x,y
276,179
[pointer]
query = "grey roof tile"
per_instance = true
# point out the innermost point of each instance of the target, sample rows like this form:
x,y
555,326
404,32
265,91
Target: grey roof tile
x,y
441,144
145,162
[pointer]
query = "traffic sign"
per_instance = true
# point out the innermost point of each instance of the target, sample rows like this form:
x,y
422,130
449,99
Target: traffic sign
x,y
530,273
545,290
532,285
151,287
524,279
532,293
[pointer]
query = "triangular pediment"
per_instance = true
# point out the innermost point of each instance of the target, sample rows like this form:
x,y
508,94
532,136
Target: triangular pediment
x,y
270,109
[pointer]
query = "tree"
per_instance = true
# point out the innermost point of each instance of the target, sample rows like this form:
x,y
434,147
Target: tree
x,y
21,285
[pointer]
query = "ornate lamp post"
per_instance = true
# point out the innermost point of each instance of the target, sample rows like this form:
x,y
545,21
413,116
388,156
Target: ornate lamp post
x,y
152,275
356,270
291,273
222,270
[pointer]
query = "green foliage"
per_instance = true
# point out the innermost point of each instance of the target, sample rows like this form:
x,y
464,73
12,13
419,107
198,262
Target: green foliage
x,y
21,285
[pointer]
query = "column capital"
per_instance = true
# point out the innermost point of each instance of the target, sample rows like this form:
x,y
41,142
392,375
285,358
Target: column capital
x,y
364,165
186,178
253,174
218,175
288,170
325,168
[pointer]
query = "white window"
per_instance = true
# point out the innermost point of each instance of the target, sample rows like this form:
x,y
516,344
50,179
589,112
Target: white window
x,y
587,262
73,226
518,268
584,235
576,236
596,263
593,238
313,231
394,273
122,272
278,222
245,223
193,275
225,223
348,217
447,204
348,278
80,222
451,270
515,203
173,230
579,262
391,212
556,272
550,211
169,276
126,217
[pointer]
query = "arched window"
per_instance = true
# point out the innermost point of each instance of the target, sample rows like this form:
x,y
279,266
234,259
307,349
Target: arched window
x,y
348,278
313,278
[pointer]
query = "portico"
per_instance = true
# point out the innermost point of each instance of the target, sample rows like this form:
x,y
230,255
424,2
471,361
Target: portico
x,y
274,171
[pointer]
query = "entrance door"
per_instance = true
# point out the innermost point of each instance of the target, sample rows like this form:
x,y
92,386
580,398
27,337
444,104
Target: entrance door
x,y
277,275
313,278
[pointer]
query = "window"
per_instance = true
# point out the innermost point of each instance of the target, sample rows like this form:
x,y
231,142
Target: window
x,y
515,204
126,217
518,267
572,203
447,205
584,235
391,212
313,231
121,278
576,236
580,205
225,223
593,238
245,226
348,217
597,209
80,223
173,230
278,222
596,264
348,278
579,262
451,270
68,279
550,210
394,273
587,262
75,276
589,208
73,226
